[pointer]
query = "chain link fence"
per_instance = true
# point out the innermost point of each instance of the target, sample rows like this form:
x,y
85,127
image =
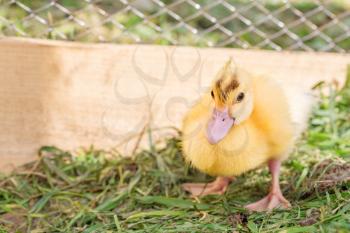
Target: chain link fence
x,y
310,25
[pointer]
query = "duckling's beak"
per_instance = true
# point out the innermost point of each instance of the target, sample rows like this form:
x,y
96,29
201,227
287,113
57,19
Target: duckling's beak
x,y
219,125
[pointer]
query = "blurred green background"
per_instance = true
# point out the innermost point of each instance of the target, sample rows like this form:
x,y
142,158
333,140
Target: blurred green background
x,y
269,24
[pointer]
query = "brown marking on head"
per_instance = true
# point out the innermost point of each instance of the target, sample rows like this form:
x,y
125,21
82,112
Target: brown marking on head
x,y
218,90
225,83
222,91
218,83
231,86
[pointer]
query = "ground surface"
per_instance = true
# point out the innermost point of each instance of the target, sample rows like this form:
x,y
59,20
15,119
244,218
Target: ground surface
x,y
85,192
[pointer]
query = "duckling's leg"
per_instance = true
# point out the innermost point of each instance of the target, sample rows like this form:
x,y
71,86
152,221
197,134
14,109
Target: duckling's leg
x,y
275,198
218,186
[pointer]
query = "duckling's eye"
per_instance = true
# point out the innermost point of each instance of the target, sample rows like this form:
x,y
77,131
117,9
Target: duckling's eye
x,y
240,97
212,94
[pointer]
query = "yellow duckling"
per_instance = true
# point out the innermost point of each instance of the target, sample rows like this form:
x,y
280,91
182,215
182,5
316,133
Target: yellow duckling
x,y
241,123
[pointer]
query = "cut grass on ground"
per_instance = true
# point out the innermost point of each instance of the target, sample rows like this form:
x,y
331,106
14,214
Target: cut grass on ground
x,y
86,192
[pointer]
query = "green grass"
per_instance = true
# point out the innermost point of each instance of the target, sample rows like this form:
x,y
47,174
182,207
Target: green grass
x,y
100,191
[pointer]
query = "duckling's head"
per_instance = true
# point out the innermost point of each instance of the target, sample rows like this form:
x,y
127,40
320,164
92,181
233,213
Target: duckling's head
x,y
232,98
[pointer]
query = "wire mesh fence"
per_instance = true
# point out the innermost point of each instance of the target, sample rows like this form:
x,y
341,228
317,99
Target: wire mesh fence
x,y
310,25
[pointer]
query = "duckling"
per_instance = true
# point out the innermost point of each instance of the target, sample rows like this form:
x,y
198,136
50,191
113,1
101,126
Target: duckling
x,y
241,123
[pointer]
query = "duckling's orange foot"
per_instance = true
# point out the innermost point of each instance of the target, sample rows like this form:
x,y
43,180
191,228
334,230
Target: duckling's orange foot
x,y
268,203
219,187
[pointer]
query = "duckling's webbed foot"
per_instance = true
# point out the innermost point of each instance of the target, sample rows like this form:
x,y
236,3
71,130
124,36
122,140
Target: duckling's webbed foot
x,y
218,186
275,198
268,203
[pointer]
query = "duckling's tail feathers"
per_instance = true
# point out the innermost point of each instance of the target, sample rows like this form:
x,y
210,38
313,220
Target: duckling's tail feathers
x,y
301,102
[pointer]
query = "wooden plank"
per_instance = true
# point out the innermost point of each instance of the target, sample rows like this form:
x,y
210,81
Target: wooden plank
x,y
72,95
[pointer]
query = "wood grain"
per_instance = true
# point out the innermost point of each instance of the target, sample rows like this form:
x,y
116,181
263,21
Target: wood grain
x,y
75,95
